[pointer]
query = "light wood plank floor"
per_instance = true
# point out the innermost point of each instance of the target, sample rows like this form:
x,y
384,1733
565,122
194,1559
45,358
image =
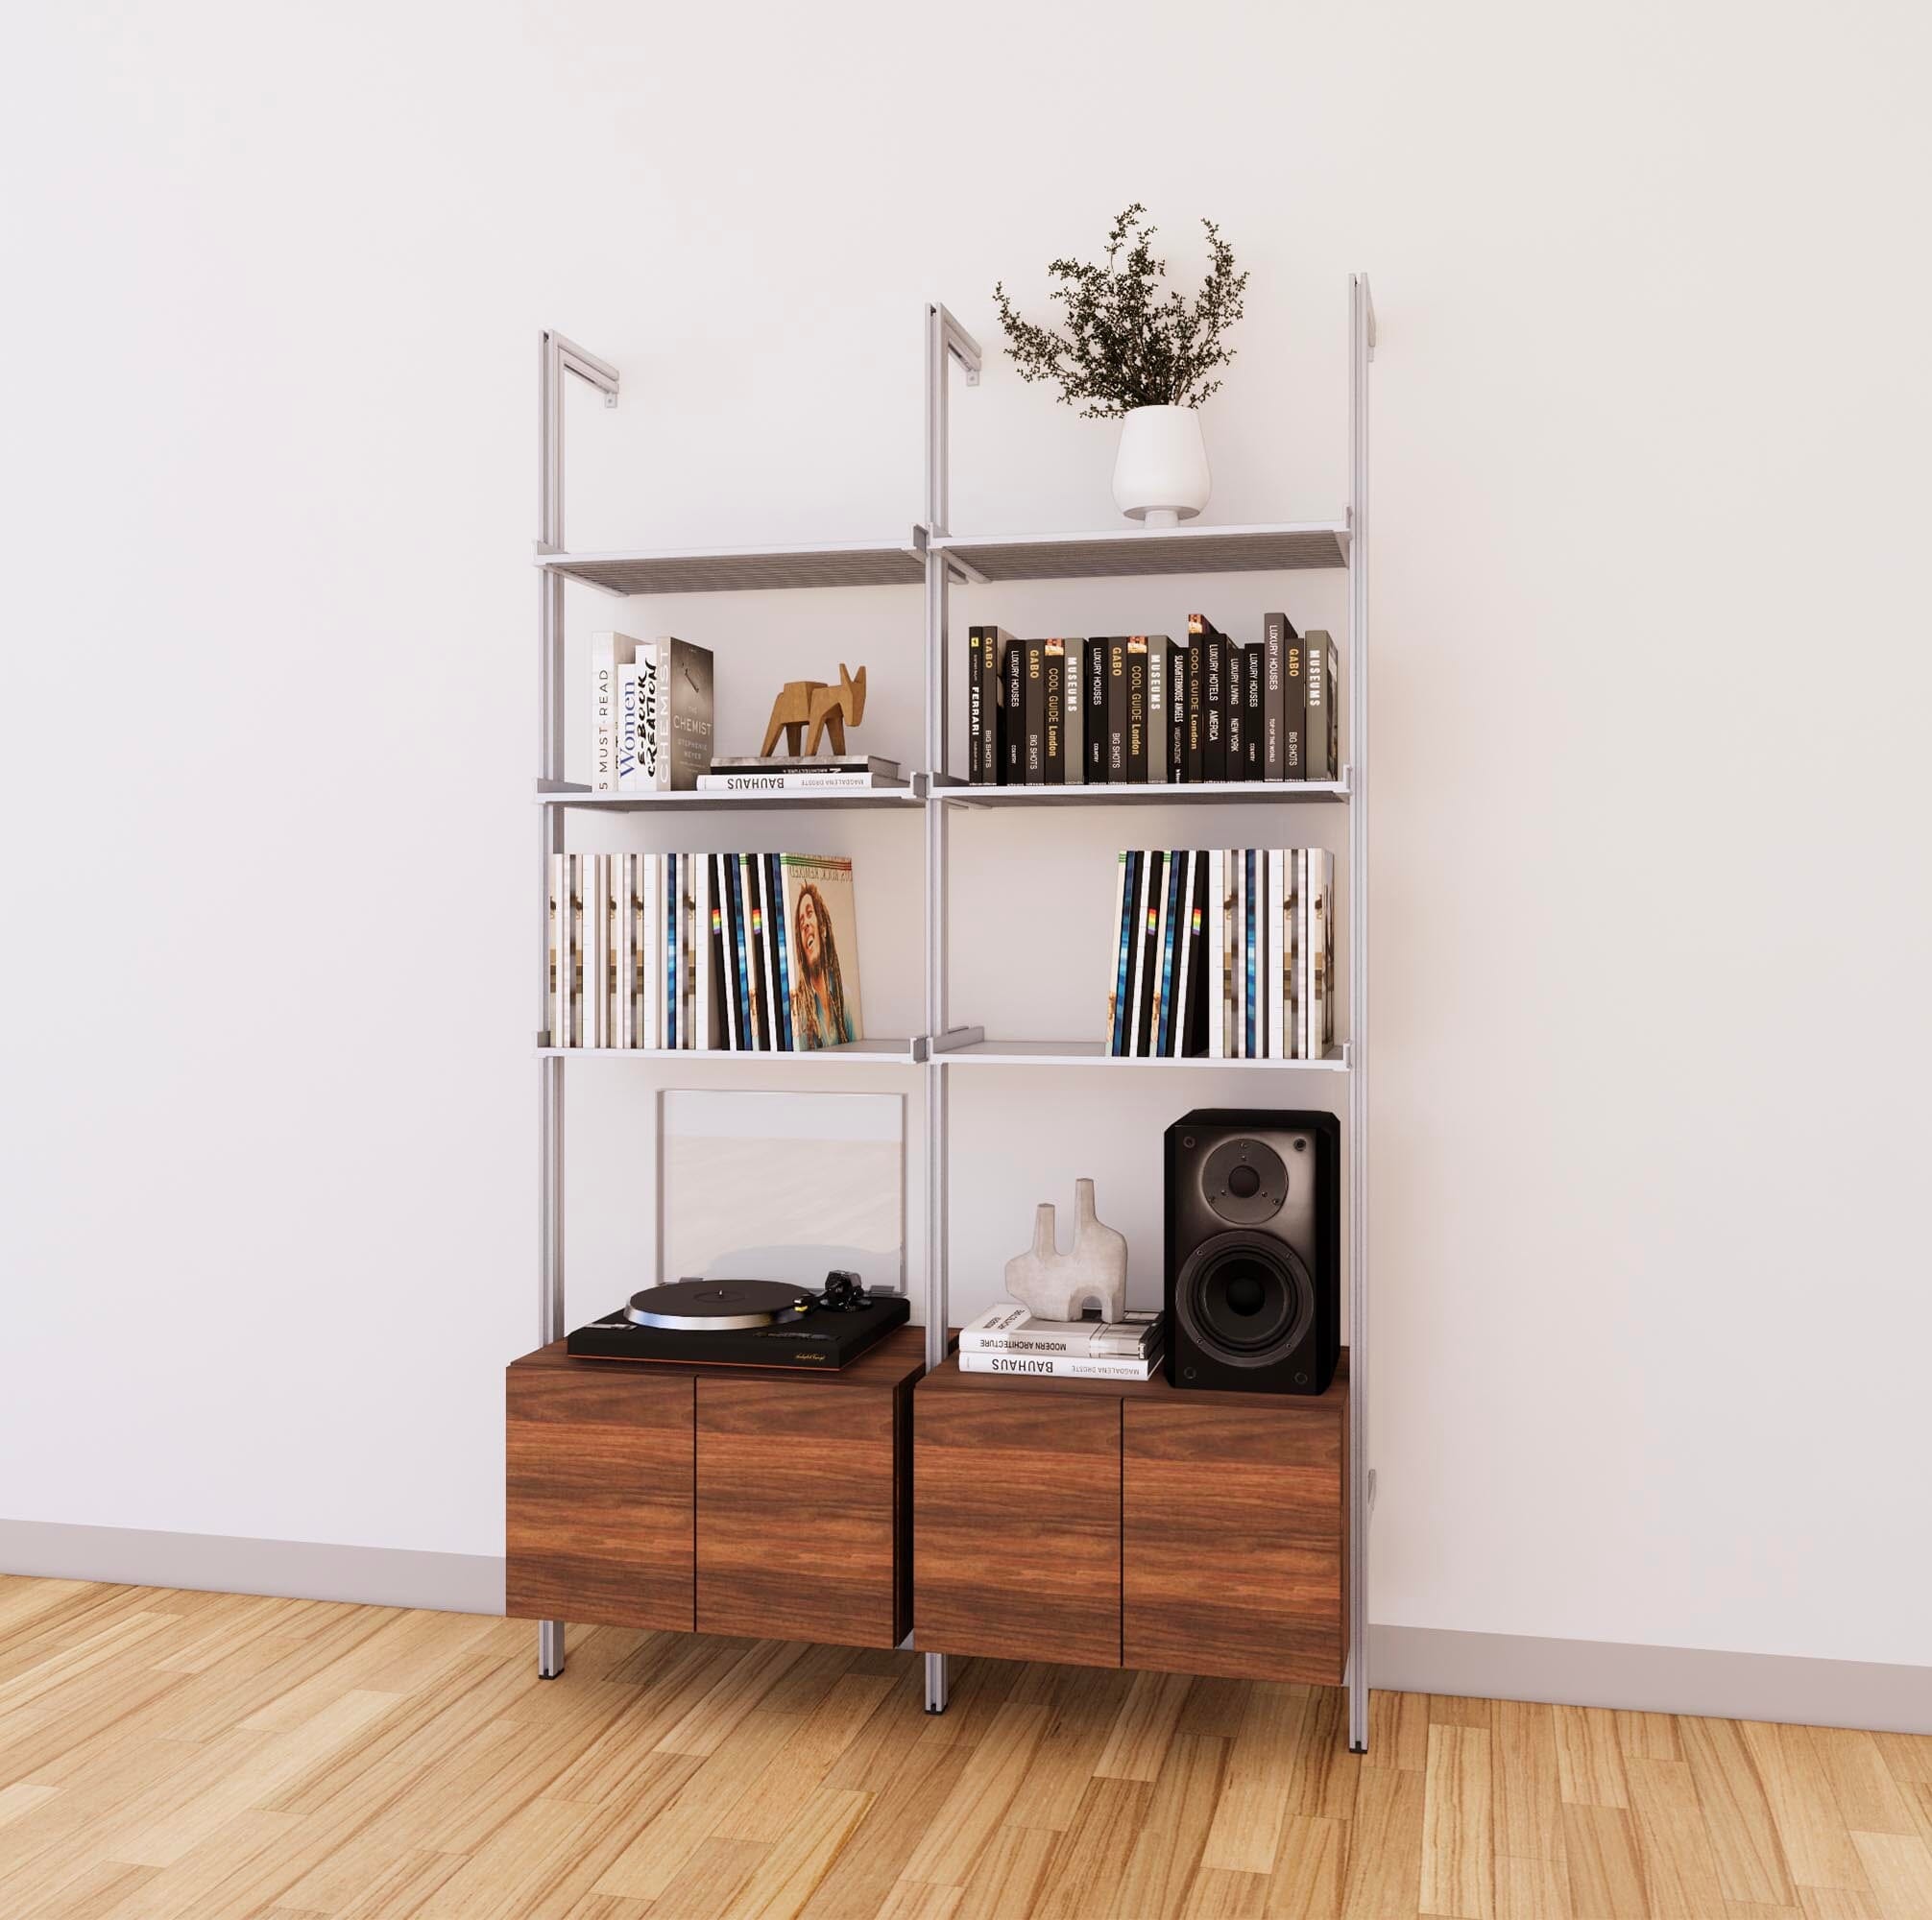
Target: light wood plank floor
x,y
177,1756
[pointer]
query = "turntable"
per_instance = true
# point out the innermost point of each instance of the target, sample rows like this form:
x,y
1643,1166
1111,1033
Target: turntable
x,y
746,1323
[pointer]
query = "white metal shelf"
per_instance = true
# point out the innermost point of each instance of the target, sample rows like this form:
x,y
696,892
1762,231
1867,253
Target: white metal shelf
x,y
1203,793
741,569
1120,553
713,799
1094,1053
853,1053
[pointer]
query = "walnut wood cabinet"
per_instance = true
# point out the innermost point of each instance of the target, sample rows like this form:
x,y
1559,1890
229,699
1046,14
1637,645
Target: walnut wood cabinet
x,y
720,1500
1125,1525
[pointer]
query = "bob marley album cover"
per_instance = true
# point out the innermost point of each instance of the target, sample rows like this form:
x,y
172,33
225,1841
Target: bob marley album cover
x,y
821,923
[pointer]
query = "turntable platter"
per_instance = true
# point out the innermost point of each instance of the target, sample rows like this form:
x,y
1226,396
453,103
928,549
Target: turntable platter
x,y
715,1305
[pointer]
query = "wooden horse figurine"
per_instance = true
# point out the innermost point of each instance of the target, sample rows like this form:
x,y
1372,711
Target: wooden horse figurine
x,y
825,709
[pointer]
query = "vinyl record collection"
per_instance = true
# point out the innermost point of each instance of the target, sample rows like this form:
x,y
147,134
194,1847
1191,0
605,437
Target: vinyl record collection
x,y
731,953
1223,954
1144,708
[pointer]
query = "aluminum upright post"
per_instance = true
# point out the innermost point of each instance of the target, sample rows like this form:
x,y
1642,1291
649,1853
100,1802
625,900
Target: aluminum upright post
x,y
946,340
556,357
1361,1475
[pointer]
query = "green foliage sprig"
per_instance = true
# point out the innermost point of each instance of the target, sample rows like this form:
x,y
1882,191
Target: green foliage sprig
x,y
1124,347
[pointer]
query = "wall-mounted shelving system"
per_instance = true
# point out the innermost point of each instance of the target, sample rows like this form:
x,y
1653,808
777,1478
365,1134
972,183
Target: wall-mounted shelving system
x,y
932,557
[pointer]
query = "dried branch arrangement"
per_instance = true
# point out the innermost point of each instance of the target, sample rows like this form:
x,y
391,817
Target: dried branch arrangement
x,y
1121,344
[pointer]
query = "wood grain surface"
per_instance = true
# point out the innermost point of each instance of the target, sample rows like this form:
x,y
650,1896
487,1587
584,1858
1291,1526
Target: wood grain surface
x,y
187,1756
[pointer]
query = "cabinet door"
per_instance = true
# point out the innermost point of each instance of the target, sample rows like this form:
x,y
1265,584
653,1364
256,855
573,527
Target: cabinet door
x,y
598,1516
801,1527
1234,1540
1018,1503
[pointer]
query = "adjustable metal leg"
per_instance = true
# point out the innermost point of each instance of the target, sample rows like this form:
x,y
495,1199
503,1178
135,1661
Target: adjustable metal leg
x,y
549,1650
937,1683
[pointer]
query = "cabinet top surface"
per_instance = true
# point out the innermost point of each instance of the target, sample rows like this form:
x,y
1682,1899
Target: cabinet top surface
x,y
947,1378
901,1356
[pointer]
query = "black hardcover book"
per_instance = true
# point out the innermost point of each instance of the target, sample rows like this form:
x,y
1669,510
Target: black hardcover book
x,y
1294,707
1236,732
1322,731
976,708
1094,662
1073,714
1120,989
1012,718
1254,663
1214,704
1054,708
989,646
735,997
1276,634
1170,953
1032,713
1191,742
1116,707
1160,701
1137,709
715,946
1147,959
1178,712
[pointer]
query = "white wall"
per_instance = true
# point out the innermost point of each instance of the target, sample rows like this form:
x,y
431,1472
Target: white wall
x,y
1651,418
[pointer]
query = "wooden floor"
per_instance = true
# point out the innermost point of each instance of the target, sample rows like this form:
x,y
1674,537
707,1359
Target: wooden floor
x,y
206,1757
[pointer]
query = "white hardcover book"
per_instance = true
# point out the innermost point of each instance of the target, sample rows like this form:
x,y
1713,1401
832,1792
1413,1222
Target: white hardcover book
x,y
1301,954
608,652
1321,951
627,727
654,943
1217,947
1162,922
692,1034
596,934
1272,931
1010,1329
770,914
1114,952
661,772
1241,911
1059,1366
796,782
642,776
674,952
1184,946
557,1023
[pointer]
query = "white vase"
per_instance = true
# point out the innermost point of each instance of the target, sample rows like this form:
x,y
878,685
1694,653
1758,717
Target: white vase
x,y
1161,474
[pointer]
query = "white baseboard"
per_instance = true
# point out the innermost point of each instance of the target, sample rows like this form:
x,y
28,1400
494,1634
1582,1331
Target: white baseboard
x,y
302,1570
1409,1659
1657,1679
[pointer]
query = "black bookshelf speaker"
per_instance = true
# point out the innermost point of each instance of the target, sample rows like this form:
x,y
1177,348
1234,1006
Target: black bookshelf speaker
x,y
1253,1250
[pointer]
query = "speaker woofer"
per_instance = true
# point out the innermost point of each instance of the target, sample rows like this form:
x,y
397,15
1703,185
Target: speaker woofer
x,y
1244,1298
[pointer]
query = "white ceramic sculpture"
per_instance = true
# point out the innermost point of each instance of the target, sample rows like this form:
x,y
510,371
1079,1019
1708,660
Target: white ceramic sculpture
x,y
1052,1285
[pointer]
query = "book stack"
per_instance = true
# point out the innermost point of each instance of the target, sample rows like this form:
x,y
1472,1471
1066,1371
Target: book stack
x,y
1008,1339
730,952
1223,954
1149,708
650,715
856,773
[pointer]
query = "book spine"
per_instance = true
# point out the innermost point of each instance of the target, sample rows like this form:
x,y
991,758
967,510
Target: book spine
x,y
1214,706
1054,713
1253,663
1191,714
1074,721
608,653
1301,953
1236,734
701,952
1276,630
1015,714
724,981
1294,708
1237,984
792,783
1094,664
1251,1004
1195,1039
1116,970
1148,935
689,675
625,747
1137,942
1217,947
1135,1344
1160,701
675,971
1176,667
650,742
1333,682
1117,709
1057,1366
1137,709
623,958
1184,948
1032,730
755,951
734,957
992,724
976,712
1315,751
598,949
